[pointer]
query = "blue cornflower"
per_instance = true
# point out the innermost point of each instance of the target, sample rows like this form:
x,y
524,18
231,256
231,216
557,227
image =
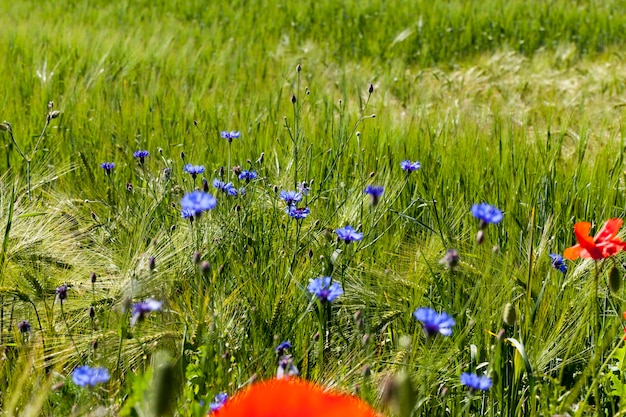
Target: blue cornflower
x,y
142,309
197,202
224,187
409,166
283,346
108,167
233,134
141,155
486,214
290,197
325,289
232,191
194,170
297,213
375,191
434,322
248,175
475,382
24,326
87,376
219,401
348,234
558,262
304,188
61,293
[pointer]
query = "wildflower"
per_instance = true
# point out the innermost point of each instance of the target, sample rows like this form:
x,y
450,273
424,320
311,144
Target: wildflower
x,y
325,289
603,245
233,134
61,292
86,376
108,167
224,187
141,310
283,346
286,367
297,213
141,155
558,263
409,166
486,214
194,170
219,401
375,191
434,322
450,259
248,175
196,202
303,188
290,397
231,191
23,326
290,197
475,382
348,234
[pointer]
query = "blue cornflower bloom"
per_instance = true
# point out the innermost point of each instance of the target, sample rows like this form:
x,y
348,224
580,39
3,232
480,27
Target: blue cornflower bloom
x,y
348,234
375,191
486,214
108,167
283,346
232,191
142,309
61,293
434,322
558,262
194,170
197,202
233,134
290,197
24,326
219,401
475,382
297,213
409,166
225,187
304,188
325,289
248,175
141,155
87,376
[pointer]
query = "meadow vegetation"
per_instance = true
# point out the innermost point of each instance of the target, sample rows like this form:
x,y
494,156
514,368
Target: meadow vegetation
x,y
519,104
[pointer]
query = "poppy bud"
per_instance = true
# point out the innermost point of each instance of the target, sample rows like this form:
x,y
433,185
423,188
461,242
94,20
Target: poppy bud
x,y
615,279
509,314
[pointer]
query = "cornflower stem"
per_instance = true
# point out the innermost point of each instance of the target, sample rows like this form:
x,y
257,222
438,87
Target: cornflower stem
x,y
230,144
69,333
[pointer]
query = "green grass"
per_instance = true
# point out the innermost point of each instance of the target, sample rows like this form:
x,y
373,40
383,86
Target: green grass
x,y
519,104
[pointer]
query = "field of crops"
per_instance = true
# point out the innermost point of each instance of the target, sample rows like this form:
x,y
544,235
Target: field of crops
x,y
416,204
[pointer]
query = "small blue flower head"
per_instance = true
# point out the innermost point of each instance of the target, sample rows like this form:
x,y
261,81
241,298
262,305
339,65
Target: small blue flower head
x,y
219,401
108,167
475,382
558,262
141,310
286,367
409,166
280,349
196,202
24,326
87,376
291,198
304,188
297,213
194,170
61,292
248,175
229,136
227,188
231,191
348,234
434,322
486,214
325,289
141,155
375,191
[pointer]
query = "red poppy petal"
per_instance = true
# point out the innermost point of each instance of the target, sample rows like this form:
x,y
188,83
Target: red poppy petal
x,y
609,230
581,230
292,398
573,252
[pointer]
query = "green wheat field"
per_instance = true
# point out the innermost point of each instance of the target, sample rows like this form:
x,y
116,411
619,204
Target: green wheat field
x,y
518,104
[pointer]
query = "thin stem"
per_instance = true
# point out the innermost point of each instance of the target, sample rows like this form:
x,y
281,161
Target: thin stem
x,y
69,333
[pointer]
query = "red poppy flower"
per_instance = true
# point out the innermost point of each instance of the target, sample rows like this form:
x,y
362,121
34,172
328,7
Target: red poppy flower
x,y
292,397
602,246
